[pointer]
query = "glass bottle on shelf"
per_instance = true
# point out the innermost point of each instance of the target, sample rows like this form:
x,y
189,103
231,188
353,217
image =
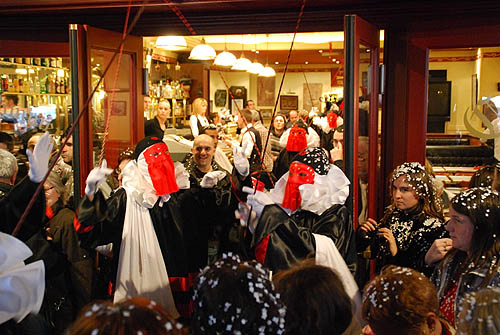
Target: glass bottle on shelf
x,y
36,84
38,61
15,84
43,62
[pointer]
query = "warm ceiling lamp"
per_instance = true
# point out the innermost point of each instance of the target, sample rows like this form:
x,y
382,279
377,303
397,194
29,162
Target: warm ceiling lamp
x,y
255,67
242,63
173,43
202,52
225,58
267,71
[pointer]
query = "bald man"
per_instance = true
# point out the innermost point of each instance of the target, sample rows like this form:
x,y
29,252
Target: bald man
x,y
208,205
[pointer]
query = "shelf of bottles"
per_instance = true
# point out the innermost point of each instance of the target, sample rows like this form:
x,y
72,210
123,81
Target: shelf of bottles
x,y
174,92
36,82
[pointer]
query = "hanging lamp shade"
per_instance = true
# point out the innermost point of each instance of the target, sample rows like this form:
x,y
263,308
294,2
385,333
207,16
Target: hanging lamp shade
x,y
242,63
202,52
255,68
173,43
267,72
225,59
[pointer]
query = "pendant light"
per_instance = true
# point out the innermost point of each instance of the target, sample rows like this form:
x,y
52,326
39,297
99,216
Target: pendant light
x,y
173,43
267,71
255,67
242,63
202,52
225,58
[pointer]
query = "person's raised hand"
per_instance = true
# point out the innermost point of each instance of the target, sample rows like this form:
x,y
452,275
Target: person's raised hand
x,y
39,158
438,250
96,177
369,225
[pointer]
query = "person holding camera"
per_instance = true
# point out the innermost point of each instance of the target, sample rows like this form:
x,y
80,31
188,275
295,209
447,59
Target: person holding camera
x,y
410,224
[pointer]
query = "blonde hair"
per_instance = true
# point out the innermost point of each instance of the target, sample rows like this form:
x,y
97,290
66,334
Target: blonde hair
x,y
198,104
480,313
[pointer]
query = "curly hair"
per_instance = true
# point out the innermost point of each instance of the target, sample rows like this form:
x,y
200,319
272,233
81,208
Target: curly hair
x,y
400,299
315,298
480,313
131,316
232,296
421,182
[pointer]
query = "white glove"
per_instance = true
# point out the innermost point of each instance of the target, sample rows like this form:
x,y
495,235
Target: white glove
x,y
96,177
39,158
181,176
242,213
211,179
316,121
240,160
258,200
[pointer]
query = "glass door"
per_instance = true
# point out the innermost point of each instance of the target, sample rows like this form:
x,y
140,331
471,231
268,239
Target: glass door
x,y
361,112
117,99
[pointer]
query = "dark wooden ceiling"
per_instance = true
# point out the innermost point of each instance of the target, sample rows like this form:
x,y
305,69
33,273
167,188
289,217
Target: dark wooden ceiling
x,y
49,19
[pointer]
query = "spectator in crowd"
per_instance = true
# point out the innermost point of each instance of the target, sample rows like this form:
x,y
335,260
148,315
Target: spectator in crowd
x,y
210,194
315,298
410,224
59,223
199,116
131,316
7,143
471,262
267,178
313,139
236,297
402,301
293,116
277,129
479,313
483,177
157,125
67,156
220,157
251,106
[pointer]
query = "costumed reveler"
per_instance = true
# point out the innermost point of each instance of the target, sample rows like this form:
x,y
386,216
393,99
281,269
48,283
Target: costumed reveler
x,y
144,223
306,205
296,141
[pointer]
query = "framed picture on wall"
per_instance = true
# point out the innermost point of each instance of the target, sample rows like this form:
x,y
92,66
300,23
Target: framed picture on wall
x,y
238,93
234,108
289,102
220,98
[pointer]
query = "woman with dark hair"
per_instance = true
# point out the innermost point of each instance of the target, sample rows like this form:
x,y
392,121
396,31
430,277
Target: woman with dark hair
x,y
483,177
410,224
236,297
315,299
402,301
472,263
131,316
277,129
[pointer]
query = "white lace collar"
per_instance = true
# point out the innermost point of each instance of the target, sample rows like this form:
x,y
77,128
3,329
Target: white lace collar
x,y
327,190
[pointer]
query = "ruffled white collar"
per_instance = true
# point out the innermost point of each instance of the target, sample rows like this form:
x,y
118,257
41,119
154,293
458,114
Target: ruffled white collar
x,y
327,190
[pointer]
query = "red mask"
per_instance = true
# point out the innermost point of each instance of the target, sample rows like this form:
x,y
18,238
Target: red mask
x,y
257,184
297,139
161,169
332,120
299,174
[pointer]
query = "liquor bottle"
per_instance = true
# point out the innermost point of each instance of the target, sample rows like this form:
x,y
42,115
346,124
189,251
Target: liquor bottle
x,y
31,86
37,84
52,83
5,83
43,62
53,62
15,84
38,61
59,62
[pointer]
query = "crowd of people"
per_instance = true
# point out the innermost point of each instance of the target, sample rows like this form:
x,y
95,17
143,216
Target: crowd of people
x,y
260,245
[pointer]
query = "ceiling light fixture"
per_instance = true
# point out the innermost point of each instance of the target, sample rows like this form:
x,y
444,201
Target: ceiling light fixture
x,y
267,71
255,67
174,43
225,58
202,52
242,63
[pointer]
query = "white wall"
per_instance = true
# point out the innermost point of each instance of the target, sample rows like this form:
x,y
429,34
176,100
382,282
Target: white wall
x,y
294,82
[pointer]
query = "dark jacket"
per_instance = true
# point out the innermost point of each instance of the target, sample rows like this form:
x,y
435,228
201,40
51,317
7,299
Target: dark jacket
x,y
152,128
281,240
